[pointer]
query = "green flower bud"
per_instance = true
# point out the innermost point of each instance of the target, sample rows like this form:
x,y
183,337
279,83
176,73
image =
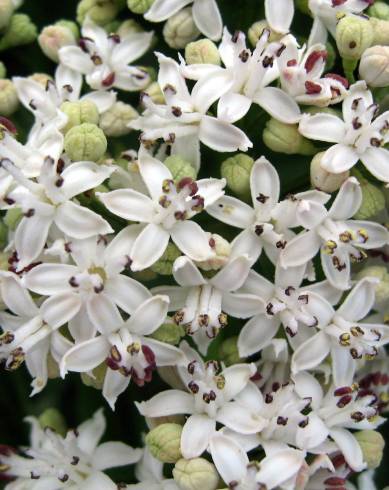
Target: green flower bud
x,y
373,200
41,78
53,419
139,6
53,38
114,122
319,110
12,218
9,100
380,10
3,235
129,26
180,29
303,6
374,66
323,180
331,56
164,266
83,111
97,380
155,93
229,353
381,31
145,275
6,11
69,24
285,138
179,168
195,474
20,31
170,333
85,142
372,444
202,51
3,70
164,442
153,422
236,170
256,30
222,250
112,26
100,11
382,287
354,34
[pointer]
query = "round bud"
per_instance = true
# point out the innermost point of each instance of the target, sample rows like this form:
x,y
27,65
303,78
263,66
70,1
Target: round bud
x,y
129,26
382,287
374,66
83,111
85,142
41,78
9,100
97,380
53,38
164,265
139,6
155,93
179,168
114,122
99,11
222,251
381,31
372,444
195,474
380,10
69,24
354,34
164,442
373,200
236,170
170,333
180,29
229,352
256,30
6,11
53,419
285,138
323,180
203,51
20,31
3,70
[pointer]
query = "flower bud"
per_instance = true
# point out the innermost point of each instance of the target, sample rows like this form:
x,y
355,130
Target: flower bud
x,y
381,31
69,24
201,52
323,180
9,100
285,138
164,265
373,200
85,142
83,111
53,38
3,235
99,11
145,275
12,218
372,444
53,419
180,29
41,78
3,70
222,251
179,168
155,93
256,30
20,31
97,380
129,26
153,422
303,6
6,11
382,287
164,442
114,122
374,66
236,170
111,26
170,333
354,34
195,474
380,10
139,6
229,352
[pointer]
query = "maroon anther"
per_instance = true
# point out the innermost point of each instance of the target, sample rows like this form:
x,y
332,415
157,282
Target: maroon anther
x,y
108,80
190,183
338,78
337,3
345,400
344,390
9,125
291,63
335,481
313,58
312,88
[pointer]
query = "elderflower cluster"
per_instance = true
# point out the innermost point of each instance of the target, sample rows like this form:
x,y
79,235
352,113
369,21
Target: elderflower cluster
x,y
215,218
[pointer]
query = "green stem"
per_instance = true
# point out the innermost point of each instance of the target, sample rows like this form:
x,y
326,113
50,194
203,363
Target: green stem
x,y
349,67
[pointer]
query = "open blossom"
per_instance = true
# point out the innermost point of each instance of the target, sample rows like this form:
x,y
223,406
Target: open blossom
x,y
71,462
165,214
206,14
342,334
339,238
359,136
105,58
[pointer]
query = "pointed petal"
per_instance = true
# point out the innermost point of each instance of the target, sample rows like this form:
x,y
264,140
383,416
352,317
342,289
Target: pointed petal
x,y
148,316
91,431
60,308
170,402
191,239
125,292
82,176
128,204
230,459
240,419
311,353
186,273
148,247
114,385
339,158
278,104
15,296
279,14
73,57
30,238
233,275
347,201
290,460
376,160
114,454
350,448
237,377
300,249
232,107
265,186
338,277
161,10
153,173
222,136
360,301
322,127
85,356
103,313
165,354
49,279
257,334
242,305
343,366
80,222
208,19
232,211
103,99
209,89
197,431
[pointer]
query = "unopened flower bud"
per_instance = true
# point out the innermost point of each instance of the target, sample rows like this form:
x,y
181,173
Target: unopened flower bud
x,y
256,30
112,26
382,287
83,111
285,138
372,444
354,34
96,380
6,11
323,180
381,31
153,422
229,352
180,29
53,38
221,249
170,333
20,31
3,70
69,24
380,10
195,474
85,142
129,26
164,442
9,100
374,66
145,275
99,11
236,170
12,218
373,200
114,121
303,6
139,6
41,78
155,93
164,265
179,168
53,419
201,52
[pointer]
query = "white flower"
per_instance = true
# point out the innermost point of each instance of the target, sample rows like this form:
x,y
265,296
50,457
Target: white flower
x,y
205,13
127,352
301,74
105,58
279,15
165,214
358,136
149,473
338,238
183,121
209,400
327,470
72,462
342,334
49,202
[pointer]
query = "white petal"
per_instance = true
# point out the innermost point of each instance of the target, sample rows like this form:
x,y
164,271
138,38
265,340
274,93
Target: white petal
x,y
290,460
100,481
232,107
232,211
233,275
114,454
80,222
177,295
170,75
80,326
279,14
65,76
148,247
310,214
360,301
148,316
125,292
117,253
307,386
222,136
153,173
318,34
264,183
131,47
242,305
128,204
237,377
278,104
339,158
186,273
60,308
90,432
376,160
347,201
257,334
240,419
311,353
74,58
210,190
292,276
229,458
191,239
377,234
85,356
103,99
161,10
322,127
208,19
337,277
170,402
320,308
343,366
165,354
49,279
350,448
103,313
208,90
81,176
30,238
114,385
197,431
300,249
246,243
15,296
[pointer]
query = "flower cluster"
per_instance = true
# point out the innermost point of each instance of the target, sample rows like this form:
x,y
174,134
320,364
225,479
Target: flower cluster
x,y
256,288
